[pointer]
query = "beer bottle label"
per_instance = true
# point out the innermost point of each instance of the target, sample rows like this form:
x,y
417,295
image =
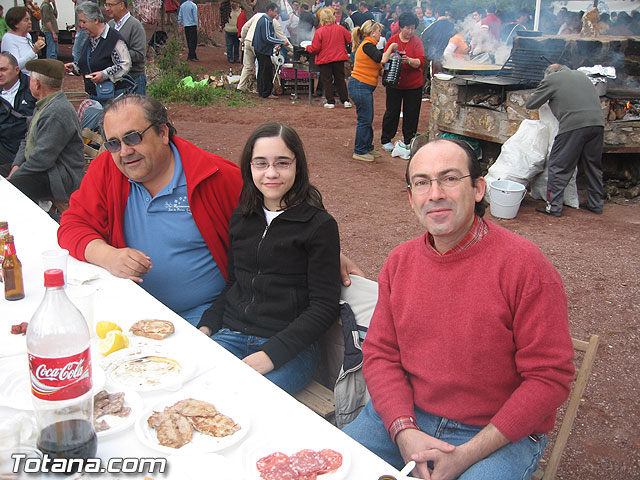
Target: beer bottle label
x,y
61,378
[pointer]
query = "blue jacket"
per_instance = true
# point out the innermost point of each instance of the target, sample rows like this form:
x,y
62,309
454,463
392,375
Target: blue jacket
x,y
264,37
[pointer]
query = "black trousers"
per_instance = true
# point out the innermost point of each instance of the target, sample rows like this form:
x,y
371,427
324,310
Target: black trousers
x,y
265,75
407,101
584,145
330,73
35,185
191,34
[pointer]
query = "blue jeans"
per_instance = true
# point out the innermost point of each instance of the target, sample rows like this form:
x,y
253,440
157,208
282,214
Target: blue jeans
x,y
515,461
78,43
362,96
291,377
233,46
52,47
141,84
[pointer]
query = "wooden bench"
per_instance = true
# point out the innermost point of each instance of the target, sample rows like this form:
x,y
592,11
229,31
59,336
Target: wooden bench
x,y
319,399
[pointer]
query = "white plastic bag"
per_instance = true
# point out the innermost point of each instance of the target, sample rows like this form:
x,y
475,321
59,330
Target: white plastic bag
x,y
539,184
522,156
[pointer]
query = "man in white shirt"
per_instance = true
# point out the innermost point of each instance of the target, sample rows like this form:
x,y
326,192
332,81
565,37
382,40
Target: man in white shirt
x,y
16,106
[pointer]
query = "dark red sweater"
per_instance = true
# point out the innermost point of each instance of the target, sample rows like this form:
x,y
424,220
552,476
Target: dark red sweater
x,y
409,77
480,336
96,209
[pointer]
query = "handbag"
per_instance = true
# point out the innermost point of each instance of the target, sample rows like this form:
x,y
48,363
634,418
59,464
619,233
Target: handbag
x,y
105,90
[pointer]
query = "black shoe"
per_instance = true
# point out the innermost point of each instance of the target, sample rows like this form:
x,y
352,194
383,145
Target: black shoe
x,y
587,207
543,209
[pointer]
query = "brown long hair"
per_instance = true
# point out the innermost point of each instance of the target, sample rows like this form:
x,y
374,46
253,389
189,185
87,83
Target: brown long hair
x,y
251,199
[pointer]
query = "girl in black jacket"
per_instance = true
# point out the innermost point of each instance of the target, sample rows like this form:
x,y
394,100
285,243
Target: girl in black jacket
x,y
284,271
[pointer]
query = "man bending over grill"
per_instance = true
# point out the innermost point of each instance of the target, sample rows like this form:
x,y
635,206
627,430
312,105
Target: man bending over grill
x,y
575,103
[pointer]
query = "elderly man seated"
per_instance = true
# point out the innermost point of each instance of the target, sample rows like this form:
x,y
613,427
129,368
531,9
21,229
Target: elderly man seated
x,y
50,160
17,106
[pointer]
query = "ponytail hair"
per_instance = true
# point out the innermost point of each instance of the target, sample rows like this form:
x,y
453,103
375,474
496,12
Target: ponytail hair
x,y
359,33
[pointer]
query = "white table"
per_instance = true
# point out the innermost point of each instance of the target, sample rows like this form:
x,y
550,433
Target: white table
x,y
275,417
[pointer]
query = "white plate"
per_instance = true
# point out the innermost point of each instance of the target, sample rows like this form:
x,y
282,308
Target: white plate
x,y
200,443
15,384
305,44
119,424
443,76
113,364
260,448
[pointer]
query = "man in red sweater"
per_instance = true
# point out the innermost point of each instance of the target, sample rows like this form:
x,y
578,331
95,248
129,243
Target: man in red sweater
x,y
468,354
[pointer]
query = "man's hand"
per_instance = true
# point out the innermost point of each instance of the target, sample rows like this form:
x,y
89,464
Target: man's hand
x,y
451,464
13,169
121,262
68,67
412,443
347,266
128,263
205,330
260,362
55,37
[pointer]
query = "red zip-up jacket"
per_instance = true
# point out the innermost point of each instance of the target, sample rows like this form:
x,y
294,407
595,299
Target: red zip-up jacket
x,y
96,209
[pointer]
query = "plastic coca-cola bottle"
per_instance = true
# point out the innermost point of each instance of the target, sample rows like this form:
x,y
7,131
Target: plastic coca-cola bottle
x,y
60,367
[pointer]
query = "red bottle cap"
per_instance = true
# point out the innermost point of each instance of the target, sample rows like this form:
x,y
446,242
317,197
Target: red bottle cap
x,y
53,278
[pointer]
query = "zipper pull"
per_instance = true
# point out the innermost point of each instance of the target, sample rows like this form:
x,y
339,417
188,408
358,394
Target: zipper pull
x,y
265,231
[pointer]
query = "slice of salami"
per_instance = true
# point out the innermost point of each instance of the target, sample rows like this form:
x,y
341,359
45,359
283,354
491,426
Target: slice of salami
x,y
277,458
306,462
332,460
280,472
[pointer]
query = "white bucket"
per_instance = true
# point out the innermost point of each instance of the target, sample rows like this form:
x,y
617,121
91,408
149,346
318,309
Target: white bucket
x,y
505,197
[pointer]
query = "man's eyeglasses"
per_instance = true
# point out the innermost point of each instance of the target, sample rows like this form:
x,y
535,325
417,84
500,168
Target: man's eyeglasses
x,y
423,185
107,4
131,139
279,165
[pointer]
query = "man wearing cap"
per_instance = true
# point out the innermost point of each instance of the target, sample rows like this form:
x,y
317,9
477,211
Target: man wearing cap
x,y
136,39
468,354
16,106
50,160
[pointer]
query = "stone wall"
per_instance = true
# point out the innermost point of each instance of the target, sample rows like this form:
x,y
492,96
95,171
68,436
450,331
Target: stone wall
x,y
449,115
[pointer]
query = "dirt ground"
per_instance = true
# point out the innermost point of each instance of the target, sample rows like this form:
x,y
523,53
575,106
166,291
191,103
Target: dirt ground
x,y
596,255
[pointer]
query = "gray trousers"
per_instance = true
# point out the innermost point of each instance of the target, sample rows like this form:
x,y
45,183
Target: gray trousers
x,y
582,144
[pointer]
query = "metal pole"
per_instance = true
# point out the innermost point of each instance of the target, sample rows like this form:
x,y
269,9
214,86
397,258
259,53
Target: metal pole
x,y
536,18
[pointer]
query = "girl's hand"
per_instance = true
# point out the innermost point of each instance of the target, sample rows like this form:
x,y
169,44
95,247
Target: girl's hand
x,y
260,362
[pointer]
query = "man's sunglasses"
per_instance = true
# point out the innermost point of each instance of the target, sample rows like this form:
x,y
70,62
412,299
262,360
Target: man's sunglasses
x,y
114,145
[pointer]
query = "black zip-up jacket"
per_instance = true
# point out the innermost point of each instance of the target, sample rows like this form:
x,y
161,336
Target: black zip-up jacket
x,y
284,280
13,124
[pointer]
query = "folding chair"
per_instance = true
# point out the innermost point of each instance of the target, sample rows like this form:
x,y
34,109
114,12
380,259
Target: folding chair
x,y
589,348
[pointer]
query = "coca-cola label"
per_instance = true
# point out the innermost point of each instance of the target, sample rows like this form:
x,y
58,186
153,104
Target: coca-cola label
x,y
61,378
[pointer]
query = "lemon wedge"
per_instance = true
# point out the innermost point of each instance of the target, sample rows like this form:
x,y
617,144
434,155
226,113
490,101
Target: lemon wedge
x,y
113,342
102,328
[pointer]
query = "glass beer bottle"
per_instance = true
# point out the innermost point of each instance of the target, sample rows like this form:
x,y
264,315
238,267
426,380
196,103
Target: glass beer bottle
x,y
12,271
4,230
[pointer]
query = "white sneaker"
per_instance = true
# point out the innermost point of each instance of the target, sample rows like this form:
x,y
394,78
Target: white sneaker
x,y
347,105
329,105
401,150
388,146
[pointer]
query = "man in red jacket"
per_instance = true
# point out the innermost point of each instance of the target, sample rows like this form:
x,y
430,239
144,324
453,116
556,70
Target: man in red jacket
x,y
138,195
468,354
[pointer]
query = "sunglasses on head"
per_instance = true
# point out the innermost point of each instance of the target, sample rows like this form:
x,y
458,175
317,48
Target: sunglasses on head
x,y
114,145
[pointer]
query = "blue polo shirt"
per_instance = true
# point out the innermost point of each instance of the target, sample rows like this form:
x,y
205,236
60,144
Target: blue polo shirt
x,y
184,277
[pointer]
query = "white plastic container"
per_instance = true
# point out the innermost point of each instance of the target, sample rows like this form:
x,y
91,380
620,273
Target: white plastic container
x,y
505,197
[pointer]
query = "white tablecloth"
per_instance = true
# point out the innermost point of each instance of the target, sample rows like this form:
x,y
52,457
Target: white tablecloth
x,y
276,419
